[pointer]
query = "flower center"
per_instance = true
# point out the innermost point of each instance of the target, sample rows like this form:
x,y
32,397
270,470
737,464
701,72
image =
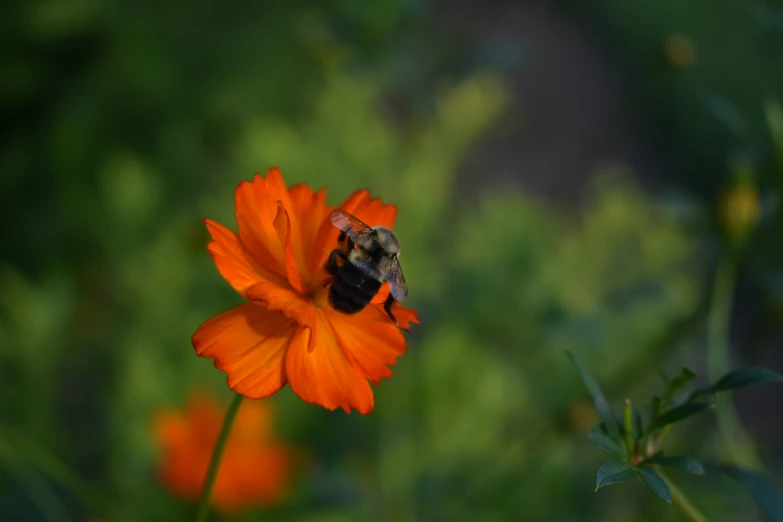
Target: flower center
x,y
319,289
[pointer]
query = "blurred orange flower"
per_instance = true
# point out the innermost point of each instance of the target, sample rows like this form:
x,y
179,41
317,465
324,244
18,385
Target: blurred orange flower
x,y
255,470
288,332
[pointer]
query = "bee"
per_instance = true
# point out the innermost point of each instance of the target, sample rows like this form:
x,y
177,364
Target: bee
x,y
366,258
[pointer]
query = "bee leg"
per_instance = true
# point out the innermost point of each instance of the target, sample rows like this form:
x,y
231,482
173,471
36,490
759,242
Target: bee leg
x,y
331,263
387,305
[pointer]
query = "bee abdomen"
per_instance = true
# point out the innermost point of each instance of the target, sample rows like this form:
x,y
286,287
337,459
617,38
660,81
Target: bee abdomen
x,y
352,289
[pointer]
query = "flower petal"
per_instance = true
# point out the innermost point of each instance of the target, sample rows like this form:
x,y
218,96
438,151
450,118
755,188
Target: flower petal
x,y
370,340
372,211
310,209
253,423
278,191
405,316
251,474
249,343
283,228
326,376
232,260
382,294
291,303
256,213
170,428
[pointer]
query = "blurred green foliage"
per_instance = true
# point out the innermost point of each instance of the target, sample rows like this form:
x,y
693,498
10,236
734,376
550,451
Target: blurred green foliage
x,y
126,123
700,72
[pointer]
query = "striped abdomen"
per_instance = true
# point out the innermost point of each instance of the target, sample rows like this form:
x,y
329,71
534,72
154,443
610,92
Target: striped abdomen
x,y
352,289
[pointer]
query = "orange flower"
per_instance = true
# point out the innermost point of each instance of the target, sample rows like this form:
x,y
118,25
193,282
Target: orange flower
x,y
255,469
288,332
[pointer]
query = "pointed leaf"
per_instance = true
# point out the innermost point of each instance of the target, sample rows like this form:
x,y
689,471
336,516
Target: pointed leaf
x,y
677,414
614,472
656,483
699,393
685,464
745,377
686,374
599,399
766,494
606,444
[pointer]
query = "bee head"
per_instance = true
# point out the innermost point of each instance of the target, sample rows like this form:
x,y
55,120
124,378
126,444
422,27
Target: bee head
x,y
387,240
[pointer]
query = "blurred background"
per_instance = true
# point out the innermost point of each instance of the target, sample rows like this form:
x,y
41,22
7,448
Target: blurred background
x,y
559,168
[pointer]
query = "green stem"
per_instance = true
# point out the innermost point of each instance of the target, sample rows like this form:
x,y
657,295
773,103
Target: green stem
x,y
56,470
217,454
682,501
736,442
628,429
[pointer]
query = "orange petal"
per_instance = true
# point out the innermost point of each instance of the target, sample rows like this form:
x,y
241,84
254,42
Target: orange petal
x,y
382,294
253,423
256,213
372,211
170,428
283,228
310,209
232,260
292,304
405,316
371,341
249,343
326,376
277,190
204,414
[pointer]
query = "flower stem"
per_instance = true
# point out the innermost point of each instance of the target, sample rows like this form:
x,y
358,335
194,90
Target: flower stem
x,y
682,501
734,438
217,454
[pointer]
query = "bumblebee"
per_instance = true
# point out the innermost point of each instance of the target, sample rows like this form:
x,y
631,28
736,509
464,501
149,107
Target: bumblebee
x,y
366,258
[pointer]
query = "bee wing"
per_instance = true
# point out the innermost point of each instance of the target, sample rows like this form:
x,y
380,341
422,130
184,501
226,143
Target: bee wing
x,y
355,228
399,290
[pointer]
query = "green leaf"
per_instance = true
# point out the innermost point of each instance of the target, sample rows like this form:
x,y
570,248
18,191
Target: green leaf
x,y
599,399
606,444
685,464
656,483
614,472
766,494
745,377
699,393
685,376
677,414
